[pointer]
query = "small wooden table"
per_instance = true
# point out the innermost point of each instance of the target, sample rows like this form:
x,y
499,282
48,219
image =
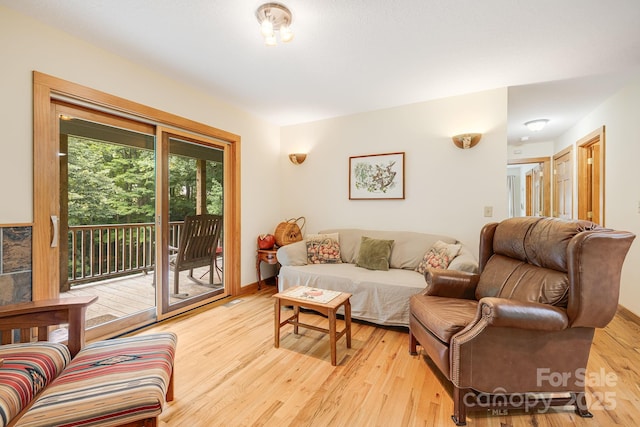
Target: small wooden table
x,y
265,255
328,309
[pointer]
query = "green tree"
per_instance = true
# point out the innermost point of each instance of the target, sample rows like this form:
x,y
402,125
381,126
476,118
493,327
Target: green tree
x,y
133,173
115,184
89,183
109,183
214,188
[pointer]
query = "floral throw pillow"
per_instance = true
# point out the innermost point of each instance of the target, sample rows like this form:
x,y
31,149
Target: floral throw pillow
x,y
323,248
439,255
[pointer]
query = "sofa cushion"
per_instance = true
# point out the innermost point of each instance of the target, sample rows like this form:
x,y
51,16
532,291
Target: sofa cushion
x,y
465,261
439,255
381,297
408,248
293,253
349,243
27,369
323,248
443,317
374,253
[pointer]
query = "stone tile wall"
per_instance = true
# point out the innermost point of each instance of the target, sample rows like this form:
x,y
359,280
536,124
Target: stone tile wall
x,y
15,264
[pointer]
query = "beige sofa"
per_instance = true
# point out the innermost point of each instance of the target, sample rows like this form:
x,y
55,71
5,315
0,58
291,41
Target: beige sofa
x,y
380,297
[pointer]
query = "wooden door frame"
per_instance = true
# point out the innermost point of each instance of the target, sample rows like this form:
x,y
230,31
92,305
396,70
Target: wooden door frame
x,y
46,88
583,145
546,178
567,151
528,193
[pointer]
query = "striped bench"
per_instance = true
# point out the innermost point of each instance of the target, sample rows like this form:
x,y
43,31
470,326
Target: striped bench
x,y
118,382
27,369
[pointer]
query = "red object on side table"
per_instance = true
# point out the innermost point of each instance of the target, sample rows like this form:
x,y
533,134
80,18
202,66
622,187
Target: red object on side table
x,y
266,241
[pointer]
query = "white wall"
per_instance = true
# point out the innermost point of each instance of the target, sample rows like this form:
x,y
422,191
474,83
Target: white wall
x,y
446,187
27,45
619,115
530,150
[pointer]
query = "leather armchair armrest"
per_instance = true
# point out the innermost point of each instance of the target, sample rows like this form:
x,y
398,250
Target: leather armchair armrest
x,y
507,313
451,283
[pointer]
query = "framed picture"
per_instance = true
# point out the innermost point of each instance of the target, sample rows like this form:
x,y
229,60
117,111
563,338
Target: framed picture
x,y
376,176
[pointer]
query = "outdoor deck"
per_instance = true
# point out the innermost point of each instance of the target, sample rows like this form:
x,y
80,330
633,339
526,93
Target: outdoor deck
x,y
115,262
123,296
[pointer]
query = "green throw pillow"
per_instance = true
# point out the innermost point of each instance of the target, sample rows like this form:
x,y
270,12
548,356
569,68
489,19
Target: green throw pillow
x,y
374,253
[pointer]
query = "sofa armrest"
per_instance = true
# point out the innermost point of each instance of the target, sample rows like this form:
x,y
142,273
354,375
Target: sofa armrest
x,y
465,261
293,254
45,313
451,283
508,313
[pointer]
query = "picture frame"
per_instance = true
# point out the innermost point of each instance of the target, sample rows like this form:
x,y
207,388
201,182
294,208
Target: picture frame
x,y
376,176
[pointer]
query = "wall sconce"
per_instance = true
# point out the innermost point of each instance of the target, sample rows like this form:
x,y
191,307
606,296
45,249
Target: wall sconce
x,y
297,158
466,140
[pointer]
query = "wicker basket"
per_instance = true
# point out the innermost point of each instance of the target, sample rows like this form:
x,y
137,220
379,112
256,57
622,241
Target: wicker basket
x,y
289,231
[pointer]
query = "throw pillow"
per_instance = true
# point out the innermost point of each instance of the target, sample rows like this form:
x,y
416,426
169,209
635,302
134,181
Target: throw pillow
x,y
293,253
439,255
374,253
323,248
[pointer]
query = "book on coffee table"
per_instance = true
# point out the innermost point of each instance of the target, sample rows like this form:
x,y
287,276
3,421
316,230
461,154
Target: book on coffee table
x,y
308,293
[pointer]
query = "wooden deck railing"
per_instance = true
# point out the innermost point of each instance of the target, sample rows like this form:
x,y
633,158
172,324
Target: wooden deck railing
x,y
106,251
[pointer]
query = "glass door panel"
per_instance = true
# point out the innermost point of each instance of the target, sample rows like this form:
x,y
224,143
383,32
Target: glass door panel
x,y
195,229
106,219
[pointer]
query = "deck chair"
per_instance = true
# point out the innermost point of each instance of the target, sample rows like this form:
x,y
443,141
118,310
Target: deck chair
x,y
197,247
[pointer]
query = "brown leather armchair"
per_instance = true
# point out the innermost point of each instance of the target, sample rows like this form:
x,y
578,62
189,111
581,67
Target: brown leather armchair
x,y
519,332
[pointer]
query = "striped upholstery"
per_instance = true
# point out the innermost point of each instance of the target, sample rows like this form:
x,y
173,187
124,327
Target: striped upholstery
x,y
27,369
108,383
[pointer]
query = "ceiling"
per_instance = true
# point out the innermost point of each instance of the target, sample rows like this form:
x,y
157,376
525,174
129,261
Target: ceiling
x,y
559,59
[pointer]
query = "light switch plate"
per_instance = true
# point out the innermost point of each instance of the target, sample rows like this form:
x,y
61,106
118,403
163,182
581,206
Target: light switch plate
x,y
488,211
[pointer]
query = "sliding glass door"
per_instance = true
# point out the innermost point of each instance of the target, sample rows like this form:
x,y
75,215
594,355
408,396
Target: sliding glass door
x,y
125,190
117,189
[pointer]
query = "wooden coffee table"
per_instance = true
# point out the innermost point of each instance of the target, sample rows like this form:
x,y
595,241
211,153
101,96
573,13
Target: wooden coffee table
x,y
328,309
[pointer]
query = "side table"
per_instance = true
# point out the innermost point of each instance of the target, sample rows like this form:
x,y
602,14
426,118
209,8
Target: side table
x,y
268,256
328,309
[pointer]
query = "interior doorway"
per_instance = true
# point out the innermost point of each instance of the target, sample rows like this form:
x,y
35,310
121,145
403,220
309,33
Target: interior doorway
x,y
529,187
563,183
591,175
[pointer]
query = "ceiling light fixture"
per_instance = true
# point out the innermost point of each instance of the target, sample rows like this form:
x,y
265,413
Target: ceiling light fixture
x,y
275,17
536,125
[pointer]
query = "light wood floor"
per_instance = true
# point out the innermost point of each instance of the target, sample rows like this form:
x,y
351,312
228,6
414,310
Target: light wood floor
x,y
229,374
